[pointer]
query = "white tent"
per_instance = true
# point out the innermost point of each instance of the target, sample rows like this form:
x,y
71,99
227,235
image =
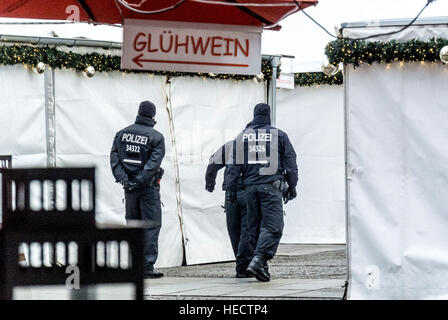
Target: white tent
x,y
397,177
195,115
65,119
313,118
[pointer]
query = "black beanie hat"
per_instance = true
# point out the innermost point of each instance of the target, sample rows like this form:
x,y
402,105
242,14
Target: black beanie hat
x,y
147,109
262,109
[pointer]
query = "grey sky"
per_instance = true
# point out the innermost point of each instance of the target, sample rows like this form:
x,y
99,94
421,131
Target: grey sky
x,y
303,39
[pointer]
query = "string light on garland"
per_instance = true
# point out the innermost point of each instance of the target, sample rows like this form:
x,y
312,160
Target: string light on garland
x,y
444,54
310,79
39,68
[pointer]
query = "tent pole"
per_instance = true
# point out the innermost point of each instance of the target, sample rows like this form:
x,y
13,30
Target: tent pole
x,y
50,117
50,131
272,94
347,181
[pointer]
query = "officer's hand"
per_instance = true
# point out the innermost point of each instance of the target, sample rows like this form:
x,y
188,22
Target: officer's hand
x,y
231,196
209,187
132,186
292,193
125,184
129,186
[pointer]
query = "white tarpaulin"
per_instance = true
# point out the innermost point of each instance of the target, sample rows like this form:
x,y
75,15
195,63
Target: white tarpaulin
x,y
398,179
206,114
313,118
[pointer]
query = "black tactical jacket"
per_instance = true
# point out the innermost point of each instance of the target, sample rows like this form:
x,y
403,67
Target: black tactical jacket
x,y
267,154
137,152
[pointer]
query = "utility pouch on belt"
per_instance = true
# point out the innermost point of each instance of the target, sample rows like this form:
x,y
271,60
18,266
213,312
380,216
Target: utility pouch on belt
x,y
281,185
284,188
158,176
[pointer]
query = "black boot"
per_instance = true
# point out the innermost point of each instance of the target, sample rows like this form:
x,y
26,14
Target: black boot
x,y
259,268
243,274
266,269
151,274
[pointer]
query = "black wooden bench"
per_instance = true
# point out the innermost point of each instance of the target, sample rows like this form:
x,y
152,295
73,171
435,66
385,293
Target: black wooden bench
x,y
49,214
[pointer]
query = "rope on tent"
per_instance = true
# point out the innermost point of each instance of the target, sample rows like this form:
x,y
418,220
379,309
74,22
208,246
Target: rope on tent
x,y
373,35
125,4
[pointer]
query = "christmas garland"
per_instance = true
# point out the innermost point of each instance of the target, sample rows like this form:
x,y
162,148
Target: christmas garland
x,y
359,51
339,51
309,79
57,59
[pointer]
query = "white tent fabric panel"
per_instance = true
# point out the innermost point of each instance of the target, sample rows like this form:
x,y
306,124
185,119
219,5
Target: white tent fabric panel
x,y
29,161
22,108
22,120
206,114
88,114
313,118
398,157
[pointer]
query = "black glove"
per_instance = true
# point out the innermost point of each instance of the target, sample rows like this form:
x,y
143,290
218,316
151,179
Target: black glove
x,y
209,187
129,186
292,193
231,196
124,182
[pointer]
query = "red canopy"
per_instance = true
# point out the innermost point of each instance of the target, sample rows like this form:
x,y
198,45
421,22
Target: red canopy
x,y
240,12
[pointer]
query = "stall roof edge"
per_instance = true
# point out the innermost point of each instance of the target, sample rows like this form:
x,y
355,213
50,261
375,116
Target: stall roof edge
x,y
396,22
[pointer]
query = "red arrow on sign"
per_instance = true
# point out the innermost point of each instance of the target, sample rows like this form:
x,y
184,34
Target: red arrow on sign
x,y
138,61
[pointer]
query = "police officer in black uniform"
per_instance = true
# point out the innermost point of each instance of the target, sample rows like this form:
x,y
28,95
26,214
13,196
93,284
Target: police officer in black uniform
x,y
135,158
265,158
236,212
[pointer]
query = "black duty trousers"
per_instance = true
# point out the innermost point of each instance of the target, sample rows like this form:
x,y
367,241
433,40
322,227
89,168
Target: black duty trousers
x,y
144,204
236,217
265,219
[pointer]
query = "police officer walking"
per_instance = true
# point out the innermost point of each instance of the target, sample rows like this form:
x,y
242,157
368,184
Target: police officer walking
x,y
266,160
236,212
135,158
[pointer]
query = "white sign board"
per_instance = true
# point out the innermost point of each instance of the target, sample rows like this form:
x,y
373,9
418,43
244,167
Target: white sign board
x,y
285,81
191,47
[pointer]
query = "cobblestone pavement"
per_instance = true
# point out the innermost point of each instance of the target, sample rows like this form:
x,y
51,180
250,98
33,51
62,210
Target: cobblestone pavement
x,y
292,262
